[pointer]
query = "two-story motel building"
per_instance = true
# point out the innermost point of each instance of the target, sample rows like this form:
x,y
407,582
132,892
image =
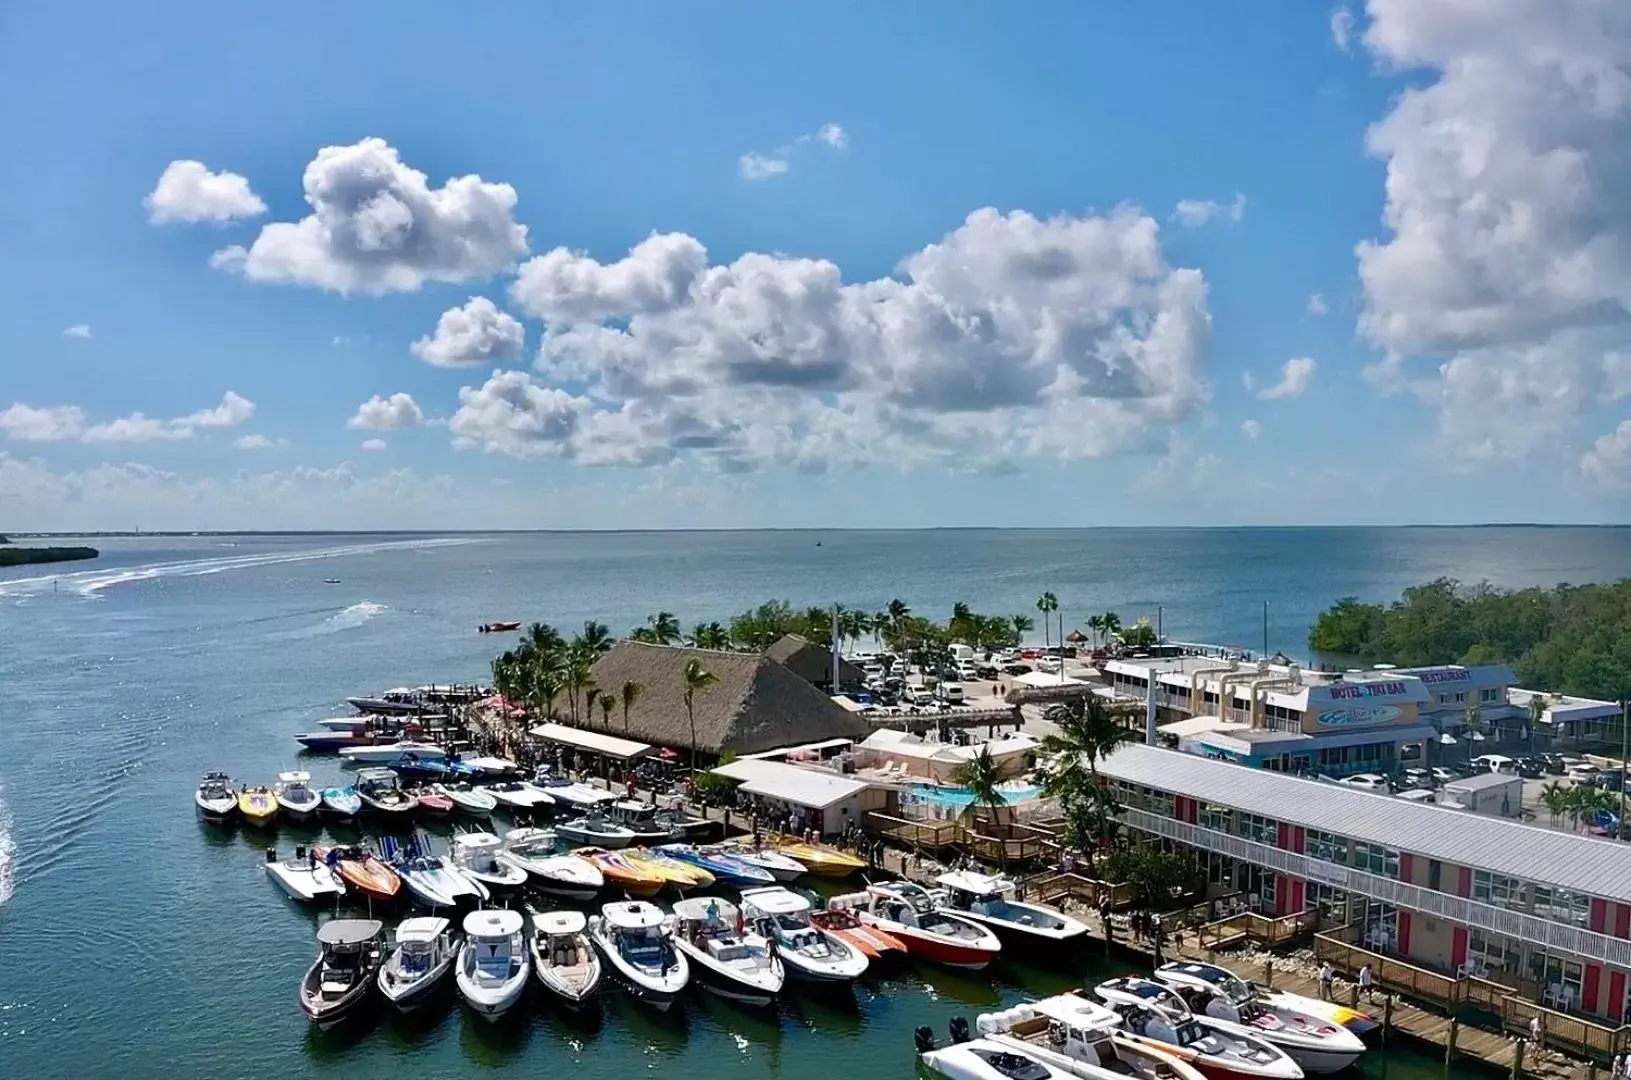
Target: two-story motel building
x,y
1546,911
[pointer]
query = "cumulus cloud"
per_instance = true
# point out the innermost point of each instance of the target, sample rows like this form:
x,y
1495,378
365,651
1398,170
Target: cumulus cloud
x,y
53,423
233,410
135,428
1295,375
1193,213
834,136
1608,463
1502,292
1342,28
1316,305
258,442
756,166
65,423
1251,429
188,191
387,414
477,333
373,446
1013,336
377,226
81,331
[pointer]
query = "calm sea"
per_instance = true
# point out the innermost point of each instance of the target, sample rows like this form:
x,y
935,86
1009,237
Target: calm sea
x,y
136,943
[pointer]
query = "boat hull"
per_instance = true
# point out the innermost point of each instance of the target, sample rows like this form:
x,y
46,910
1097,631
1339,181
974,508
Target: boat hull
x,y
216,810
939,950
406,997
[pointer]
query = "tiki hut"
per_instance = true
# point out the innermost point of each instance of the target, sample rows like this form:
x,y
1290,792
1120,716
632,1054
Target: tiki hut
x,y
757,704
813,663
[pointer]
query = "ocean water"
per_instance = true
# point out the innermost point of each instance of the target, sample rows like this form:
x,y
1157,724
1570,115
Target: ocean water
x,y
136,942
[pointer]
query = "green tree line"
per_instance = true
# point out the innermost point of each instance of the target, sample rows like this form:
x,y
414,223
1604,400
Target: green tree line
x,y
1572,639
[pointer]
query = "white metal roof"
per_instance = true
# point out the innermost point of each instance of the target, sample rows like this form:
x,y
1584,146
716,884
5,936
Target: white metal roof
x,y
1483,781
1197,724
593,741
1567,860
633,915
816,789
423,928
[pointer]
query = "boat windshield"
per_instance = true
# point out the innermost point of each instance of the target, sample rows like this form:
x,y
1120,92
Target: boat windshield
x,y
1188,1033
1231,986
1013,1066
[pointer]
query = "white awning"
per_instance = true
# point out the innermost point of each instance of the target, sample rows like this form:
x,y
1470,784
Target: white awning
x,y
1195,725
593,741
815,789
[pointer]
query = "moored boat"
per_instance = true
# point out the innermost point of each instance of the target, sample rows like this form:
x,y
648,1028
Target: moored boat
x,y
339,979
467,799
493,962
772,862
979,1059
595,831
809,953
430,879
874,943
341,802
399,702
635,943
677,872
257,805
378,790
215,799
303,876
332,742
516,795
569,876
725,868
479,856
362,870
622,875
989,901
1318,1045
295,796
384,753
640,818
821,859
727,958
1075,1035
430,801
907,912
1153,1012
424,952
564,961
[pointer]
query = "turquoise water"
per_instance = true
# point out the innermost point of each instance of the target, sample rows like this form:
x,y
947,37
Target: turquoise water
x,y
959,798
136,943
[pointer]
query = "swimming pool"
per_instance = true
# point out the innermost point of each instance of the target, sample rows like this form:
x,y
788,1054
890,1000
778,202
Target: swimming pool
x,y
958,798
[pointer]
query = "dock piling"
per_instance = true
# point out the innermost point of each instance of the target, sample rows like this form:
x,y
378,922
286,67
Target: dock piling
x,y
1268,974
1517,1057
1387,1018
1449,1044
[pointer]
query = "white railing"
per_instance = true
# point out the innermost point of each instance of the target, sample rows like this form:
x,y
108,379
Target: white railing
x,y
1592,947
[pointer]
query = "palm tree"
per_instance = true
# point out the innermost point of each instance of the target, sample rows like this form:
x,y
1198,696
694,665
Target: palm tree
x,y
697,678
590,693
596,637
507,675
630,693
1047,604
542,639
1474,725
1537,709
711,635
1554,796
1111,623
880,620
547,684
984,777
1088,731
898,611
665,628
606,704
1023,624
1095,623
576,676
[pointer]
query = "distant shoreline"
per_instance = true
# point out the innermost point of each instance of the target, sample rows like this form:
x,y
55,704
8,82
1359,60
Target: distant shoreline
x,y
25,556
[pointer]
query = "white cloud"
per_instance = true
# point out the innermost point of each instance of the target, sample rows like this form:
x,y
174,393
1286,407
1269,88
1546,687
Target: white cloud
x,y
1342,27
477,333
1251,429
377,227
52,423
188,192
760,167
1011,337
1295,375
387,414
257,442
233,410
1502,292
1193,213
1608,463
1248,380
756,166
62,423
136,428
1316,305
81,331
373,445
834,136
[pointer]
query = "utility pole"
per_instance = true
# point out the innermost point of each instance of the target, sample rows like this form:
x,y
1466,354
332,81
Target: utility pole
x,y
836,659
1265,630
1159,635
1625,741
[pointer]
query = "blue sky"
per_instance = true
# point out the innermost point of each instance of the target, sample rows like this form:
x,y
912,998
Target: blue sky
x,y
1162,317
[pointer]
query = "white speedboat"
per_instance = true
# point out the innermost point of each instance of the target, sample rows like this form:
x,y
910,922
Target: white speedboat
x,y
989,901
519,795
570,793
907,912
569,877
640,818
479,856
727,959
486,765
424,953
431,880
467,799
493,962
563,959
1318,1045
294,794
592,830
779,866
810,953
215,798
381,794
347,723
1152,1011
635,943
981,1059
303,876
1072,1034
338,981
381,753
341,802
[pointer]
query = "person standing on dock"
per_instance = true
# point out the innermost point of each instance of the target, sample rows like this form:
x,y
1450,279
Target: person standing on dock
x,y
1367,985
1327,977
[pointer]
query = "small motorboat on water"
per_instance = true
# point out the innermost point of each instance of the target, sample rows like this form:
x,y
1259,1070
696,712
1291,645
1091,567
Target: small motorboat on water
x,y
257,805
362,870
725,868
479,856
399,702
485,765
341,802
380,794
979,1059
579,798
1153,1012
563,959
633,938
339,979
640,818
332,742
431,880
820,859
569,877
497,627
727,957
1360,1023
682,875
622,874
493,962
467,799
385,753
215,799
424,952
303,876
809,952
1316,1044
772,862
989,901
910,914
427,800
875,944
514,795
596,831
295,796
1073,1034
349,723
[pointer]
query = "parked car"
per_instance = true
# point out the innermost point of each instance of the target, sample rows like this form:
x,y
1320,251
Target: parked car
x,y
1531,768
1416,778
1611,779
1017,669
1555,765
986,671
1583,773
1442,775
1366,782
952,693
919,695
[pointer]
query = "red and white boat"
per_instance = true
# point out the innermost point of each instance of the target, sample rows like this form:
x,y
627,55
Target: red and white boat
x,y
909,913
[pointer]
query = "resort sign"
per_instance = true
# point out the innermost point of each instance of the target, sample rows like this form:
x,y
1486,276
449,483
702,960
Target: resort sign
x,y
1351,691
1357,715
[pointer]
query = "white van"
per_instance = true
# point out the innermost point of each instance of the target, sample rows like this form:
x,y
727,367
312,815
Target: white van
x,y
961,652
1496,763
952,693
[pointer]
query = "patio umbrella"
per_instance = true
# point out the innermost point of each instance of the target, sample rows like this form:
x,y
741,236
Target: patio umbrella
x,y
1447,739
1477,736
1075,637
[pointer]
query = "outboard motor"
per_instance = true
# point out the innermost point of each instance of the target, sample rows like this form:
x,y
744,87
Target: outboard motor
x,y
958,1029
923,1038
271,854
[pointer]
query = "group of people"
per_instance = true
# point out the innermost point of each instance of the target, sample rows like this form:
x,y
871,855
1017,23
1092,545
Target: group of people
x,y
1365,980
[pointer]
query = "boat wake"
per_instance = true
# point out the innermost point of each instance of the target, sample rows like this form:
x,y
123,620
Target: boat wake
x,y
8,853
349,619
90,582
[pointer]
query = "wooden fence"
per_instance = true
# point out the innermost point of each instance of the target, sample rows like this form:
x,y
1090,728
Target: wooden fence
x,y
1260,929
1051,887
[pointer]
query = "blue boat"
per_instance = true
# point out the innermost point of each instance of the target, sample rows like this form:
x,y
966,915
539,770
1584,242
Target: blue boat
x,y
731,871
341,802
411,766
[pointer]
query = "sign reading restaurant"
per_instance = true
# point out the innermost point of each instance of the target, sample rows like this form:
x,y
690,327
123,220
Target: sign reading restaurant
x,y
1446,675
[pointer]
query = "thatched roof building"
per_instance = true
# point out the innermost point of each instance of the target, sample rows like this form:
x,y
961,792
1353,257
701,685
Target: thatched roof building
x,y
757,704
813,663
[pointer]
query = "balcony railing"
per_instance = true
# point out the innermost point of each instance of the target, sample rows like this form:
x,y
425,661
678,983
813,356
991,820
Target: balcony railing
x,y
1585,944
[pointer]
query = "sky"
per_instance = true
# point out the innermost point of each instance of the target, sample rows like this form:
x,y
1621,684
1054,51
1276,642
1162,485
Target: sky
x,y
676,265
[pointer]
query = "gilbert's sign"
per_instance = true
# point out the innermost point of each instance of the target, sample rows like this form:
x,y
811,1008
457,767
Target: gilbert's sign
x,y
1357,715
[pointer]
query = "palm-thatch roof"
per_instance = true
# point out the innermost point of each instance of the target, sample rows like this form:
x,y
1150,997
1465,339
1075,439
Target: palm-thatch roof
x,y
812,662
757,704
